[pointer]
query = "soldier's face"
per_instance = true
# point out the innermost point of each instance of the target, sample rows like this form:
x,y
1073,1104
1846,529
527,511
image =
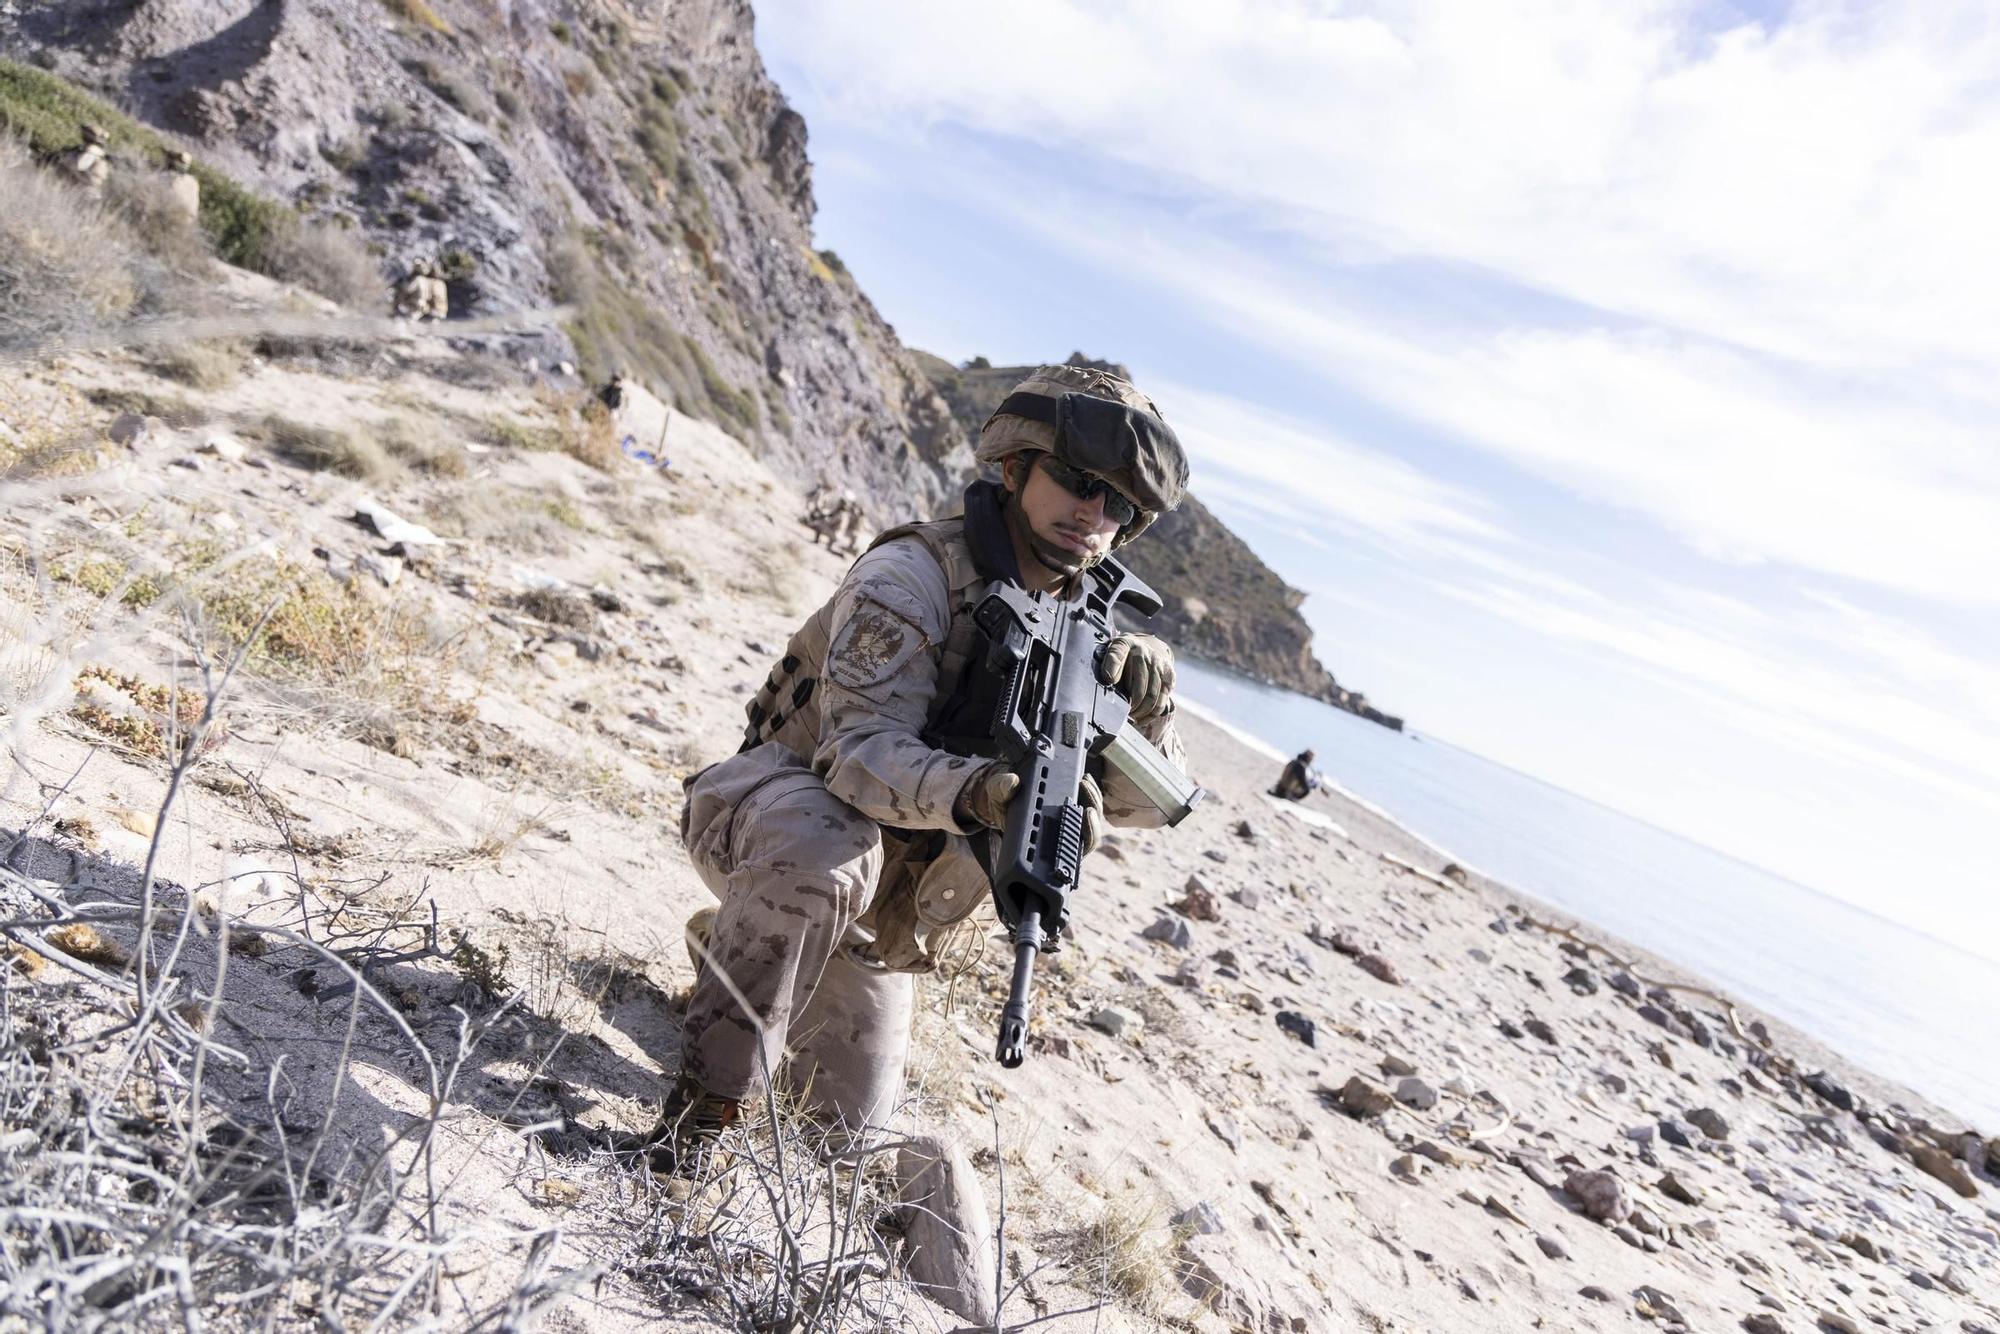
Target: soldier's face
x,y
1064,532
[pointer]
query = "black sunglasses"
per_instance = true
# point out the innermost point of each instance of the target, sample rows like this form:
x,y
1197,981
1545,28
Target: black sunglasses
x,y
1083,485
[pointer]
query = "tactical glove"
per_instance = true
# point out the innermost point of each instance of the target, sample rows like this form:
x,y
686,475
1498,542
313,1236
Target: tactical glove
x,y
985,796
1142,666
983,799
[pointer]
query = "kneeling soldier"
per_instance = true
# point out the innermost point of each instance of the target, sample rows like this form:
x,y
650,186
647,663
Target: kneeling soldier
x,y
838,838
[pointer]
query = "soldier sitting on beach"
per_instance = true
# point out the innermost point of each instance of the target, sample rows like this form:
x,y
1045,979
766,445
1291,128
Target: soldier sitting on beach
x,y
839,840
1299,779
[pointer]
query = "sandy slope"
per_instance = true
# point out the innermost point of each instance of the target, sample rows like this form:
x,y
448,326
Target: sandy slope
x,y
529,790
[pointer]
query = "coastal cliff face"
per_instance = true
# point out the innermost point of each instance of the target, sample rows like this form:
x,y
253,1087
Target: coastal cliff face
x,y
1220,602
635,164
632,161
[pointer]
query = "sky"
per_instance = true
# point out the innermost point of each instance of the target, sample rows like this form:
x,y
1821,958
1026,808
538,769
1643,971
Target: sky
x,y
1621,381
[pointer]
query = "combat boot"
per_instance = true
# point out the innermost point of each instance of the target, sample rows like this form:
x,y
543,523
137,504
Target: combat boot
x,y
691,1120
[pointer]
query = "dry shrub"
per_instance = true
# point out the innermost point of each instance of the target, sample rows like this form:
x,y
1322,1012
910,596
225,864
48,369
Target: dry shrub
x,y
417,12
175,410
1121,1251
515,522
145,202
589,437
80,940
325,449
135,714
66,263
330,261
208,367
423,450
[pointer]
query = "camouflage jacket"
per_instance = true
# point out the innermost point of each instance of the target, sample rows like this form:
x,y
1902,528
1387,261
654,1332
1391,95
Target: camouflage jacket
x,y
861,681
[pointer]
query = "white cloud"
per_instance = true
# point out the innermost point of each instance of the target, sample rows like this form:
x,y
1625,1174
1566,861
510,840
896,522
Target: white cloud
x,y
1814,188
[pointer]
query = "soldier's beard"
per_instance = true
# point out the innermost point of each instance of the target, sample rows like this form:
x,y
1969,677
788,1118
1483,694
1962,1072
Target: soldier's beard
x,y
1060,559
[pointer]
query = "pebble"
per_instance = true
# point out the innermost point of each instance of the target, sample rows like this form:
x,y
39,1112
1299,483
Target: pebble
x,y
1215,854
1296,1024
1540,1029
1839,1323
1861,1245
1582,981
1409,1167
1552,1246
1628,1234
1710,1122
1829,1091
1674,1188
1642,1134
1760,1323
1594,1292
1479,956
1198,903
1650,1300
1377,966
1226,1130
1416,1093
1247,898
1395,1065
1624,984
1118,1022
1679,1132
1498,926
1173,931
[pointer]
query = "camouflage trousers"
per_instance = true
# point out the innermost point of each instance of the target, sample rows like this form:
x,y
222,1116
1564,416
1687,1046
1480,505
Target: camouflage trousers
x,y
795,868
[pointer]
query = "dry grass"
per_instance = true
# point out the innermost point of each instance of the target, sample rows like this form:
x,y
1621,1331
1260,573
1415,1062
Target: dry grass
x,y
421,446
329,260
1123,1251
327,449
417,12
67,265
208,367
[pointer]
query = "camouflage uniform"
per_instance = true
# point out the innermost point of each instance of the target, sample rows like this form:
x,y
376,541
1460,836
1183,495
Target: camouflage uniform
x,y
183,185
89,161
1296,782
831,841
848,521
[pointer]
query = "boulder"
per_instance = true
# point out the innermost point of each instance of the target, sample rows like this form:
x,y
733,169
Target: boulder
x,y
1602,1195
948,1242
1945,1168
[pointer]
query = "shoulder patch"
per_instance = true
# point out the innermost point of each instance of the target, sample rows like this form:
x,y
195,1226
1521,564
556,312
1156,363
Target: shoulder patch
x,y
871,646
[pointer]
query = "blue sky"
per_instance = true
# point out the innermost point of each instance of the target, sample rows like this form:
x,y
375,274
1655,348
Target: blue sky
x,y
1618,379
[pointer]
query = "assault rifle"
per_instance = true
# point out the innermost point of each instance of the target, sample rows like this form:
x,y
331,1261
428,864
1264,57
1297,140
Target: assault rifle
x,y
1054,716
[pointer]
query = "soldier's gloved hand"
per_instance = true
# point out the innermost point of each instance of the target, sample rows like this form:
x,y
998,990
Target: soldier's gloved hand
x,y
1091,798
984,798
1142,666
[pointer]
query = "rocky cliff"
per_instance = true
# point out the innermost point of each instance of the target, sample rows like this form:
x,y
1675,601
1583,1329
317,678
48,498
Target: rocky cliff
x,y
637,165
1221,602
631,160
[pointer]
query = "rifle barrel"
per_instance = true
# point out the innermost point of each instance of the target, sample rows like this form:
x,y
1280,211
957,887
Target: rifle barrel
x,y
1013,1048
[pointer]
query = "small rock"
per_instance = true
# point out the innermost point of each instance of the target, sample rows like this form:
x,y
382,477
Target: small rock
x,y
560,1193
1364,1099
1377,966
1837,1322
127,428
1478,956
1552,1246
1539,1029
1438,1154
1226,1130
1582,981
1215,854
1680,1133
1829,1091
1945,1168
1408,1166
1624,984
1644,1221
1173,931
1650,1301
1300,1027
1245,831
1198,903
1414,1092
1674,1188
1498,926
1509,1028
1118,1022
1594,1292
1396,1066
1247,898
1641,1134
1628,1234
1860,1244
1535,1165
1760,1322
1199,1220
1710,1122
1601,1194
227,448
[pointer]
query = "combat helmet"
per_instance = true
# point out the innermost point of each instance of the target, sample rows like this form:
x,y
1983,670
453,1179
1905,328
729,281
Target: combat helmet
x,y
93,134
1097,421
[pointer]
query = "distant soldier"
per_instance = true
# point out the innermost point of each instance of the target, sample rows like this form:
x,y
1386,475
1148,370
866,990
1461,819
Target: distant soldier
x,y
410,292
437,299
181,183
612,395
90,161
819,510
848,521
1299,778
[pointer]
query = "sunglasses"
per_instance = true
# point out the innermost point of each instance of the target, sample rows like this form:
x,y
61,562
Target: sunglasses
x,y
1083,485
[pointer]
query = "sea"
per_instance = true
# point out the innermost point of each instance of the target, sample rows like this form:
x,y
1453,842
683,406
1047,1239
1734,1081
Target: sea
x,y
1895,1001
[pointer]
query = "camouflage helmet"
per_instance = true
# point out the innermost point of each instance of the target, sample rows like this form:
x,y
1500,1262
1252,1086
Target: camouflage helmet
x,y
92,134
1134,450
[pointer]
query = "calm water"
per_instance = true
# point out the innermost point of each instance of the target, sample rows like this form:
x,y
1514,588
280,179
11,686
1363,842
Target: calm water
x,y
1898,1002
